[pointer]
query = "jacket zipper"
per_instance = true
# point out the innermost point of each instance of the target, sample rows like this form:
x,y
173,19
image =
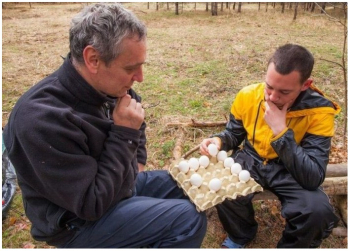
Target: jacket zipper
x,y
106,109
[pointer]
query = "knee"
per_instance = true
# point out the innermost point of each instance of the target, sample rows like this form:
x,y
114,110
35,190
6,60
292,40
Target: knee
x,y
189,216
315,210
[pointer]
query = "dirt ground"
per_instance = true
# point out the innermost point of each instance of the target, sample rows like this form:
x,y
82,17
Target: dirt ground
x,y
181,53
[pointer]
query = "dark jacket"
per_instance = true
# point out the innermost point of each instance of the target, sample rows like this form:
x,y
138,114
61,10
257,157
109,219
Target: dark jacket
x,y
70,158
303,147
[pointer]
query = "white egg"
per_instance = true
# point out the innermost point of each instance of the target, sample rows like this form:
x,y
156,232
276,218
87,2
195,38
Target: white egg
x,y
213,150
183,166
215,184
236,168
204,161
196,180
193,163
244,176
228,162
222,155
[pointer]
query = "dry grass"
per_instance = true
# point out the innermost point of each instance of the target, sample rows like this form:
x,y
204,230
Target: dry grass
x,y
196,64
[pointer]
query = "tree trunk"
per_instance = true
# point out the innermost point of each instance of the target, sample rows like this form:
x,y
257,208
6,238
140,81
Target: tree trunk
x,y
214,9
282,7
176,8
312,7
206,6
323,11
239,7
295,11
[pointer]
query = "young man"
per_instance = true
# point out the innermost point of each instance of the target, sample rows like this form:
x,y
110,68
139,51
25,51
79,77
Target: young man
x,y
286,125
77,142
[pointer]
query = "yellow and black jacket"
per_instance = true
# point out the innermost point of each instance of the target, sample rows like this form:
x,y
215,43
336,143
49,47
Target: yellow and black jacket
x,y
303,147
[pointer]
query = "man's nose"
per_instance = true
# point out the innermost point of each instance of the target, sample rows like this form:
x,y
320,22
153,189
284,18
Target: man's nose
x,y
273,96
138,77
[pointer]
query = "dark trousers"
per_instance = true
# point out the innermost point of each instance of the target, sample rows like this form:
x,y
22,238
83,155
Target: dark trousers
x,y
309,214
157,216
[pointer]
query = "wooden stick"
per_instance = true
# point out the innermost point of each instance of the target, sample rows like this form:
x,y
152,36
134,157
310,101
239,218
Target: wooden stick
x,y
178,145
198,124
196,148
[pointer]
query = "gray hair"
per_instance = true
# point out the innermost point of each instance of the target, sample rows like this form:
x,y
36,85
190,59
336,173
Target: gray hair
x,y
103,27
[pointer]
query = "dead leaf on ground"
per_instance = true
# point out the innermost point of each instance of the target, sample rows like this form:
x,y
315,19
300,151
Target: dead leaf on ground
x,y
28,245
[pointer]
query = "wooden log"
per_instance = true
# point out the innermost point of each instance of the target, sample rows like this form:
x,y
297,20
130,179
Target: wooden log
x,y
331,186
341,202
335,185
340,231
337,170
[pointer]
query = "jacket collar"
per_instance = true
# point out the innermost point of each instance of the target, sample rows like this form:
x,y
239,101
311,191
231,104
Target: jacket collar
x,y
78,86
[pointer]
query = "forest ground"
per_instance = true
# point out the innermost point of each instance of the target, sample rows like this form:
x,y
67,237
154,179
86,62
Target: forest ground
x,y
195,66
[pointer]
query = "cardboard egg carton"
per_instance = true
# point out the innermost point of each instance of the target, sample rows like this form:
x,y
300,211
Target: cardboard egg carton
x,y
203,195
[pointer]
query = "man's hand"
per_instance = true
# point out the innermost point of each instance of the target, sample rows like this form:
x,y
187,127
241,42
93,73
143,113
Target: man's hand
x,y
275,117
206,142
128,113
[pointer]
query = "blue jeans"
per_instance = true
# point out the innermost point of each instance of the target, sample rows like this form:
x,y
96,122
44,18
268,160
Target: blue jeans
x,y
159,215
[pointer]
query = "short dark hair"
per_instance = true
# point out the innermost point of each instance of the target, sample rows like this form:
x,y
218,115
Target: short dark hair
x,y
291,57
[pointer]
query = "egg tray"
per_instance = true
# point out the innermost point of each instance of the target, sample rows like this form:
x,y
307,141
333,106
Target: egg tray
x,y
202,196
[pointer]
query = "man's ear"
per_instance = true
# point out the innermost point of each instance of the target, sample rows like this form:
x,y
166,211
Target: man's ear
x,y
306,84
91,59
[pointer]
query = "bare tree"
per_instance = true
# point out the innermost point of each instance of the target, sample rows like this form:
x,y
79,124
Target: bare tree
x,y
176,8
343,64
239,7
323,9
295,11
214,8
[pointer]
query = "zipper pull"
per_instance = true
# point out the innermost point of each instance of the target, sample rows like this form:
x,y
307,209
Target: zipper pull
x,y
265,162
107,109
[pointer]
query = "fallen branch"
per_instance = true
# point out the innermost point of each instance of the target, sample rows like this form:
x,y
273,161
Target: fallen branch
x,y
196,148
178,145
198,124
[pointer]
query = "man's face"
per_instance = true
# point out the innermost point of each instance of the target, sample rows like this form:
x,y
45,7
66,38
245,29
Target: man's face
x,y
282,89
117,78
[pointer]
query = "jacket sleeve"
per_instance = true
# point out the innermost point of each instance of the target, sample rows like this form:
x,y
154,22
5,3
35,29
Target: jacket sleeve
x,y
306,162
233,135
141,150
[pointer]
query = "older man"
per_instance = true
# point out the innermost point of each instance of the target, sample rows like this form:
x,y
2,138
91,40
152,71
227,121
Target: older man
x,y
77,142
